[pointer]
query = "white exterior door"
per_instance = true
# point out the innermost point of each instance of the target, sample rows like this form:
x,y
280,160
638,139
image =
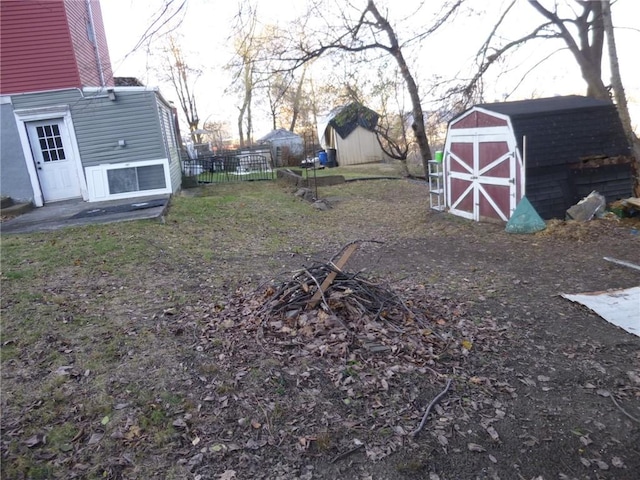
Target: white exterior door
x,y
53,156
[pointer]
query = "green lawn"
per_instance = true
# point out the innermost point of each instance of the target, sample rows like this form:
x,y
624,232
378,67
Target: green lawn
x,y
368,170
141,349
92,318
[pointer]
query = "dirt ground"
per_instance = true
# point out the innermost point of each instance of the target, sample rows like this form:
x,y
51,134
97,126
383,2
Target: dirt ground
x,y
539,387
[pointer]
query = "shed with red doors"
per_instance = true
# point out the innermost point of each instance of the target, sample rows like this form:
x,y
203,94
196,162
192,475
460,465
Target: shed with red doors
x,y
555,150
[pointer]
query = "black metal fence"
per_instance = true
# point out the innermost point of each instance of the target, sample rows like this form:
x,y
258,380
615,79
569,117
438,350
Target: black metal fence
x,y
227,167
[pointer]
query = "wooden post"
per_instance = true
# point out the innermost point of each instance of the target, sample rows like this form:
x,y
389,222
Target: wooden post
x,y
331,277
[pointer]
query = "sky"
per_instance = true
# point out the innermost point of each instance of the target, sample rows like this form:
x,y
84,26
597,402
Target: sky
x,y
205,29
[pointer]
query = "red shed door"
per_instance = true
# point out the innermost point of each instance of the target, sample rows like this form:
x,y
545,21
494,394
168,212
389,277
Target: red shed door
x,y
481,177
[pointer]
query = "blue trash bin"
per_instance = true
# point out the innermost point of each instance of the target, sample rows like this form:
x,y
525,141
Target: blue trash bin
x,y
322,156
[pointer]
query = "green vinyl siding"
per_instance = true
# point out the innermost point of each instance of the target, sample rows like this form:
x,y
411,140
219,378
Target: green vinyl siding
x,y
100,123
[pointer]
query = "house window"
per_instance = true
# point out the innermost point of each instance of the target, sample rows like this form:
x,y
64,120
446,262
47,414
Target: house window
x,y
128,180
134,179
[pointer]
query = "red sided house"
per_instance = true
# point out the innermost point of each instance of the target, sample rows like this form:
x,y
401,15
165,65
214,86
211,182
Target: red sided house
x,y
66,132
555,150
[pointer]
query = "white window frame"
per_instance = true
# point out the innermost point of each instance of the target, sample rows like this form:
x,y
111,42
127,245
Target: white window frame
x,y
165,116
23,116
98,181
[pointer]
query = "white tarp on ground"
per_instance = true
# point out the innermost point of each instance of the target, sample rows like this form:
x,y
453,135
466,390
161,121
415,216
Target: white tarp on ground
x,y
620,307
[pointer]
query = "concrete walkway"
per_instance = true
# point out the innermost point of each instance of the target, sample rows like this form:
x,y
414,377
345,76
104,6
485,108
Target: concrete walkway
x,y
56,215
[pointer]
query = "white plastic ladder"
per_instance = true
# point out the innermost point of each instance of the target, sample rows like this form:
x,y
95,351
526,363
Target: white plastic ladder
x,y
436,186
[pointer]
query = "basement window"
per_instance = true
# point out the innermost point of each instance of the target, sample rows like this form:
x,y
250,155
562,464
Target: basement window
x,y
127,180
134,179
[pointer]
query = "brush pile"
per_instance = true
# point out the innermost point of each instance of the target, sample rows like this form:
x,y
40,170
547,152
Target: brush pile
x,y
348,298
330,312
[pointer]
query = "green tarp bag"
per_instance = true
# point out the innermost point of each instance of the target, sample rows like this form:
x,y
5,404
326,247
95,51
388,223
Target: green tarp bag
x,y
525,219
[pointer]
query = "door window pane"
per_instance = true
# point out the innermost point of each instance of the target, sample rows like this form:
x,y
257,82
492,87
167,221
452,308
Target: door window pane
x,y
50,142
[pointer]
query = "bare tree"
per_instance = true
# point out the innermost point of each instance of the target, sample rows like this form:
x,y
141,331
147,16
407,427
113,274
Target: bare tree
x,y
587,46
183,78
618,90
372,31
582,32
278,85
250,66
218,134
392,129
297,100
166,20
300,108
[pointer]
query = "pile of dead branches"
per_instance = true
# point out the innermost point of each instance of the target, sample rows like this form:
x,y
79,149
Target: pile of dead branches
x,y
348,296
341,294
325,310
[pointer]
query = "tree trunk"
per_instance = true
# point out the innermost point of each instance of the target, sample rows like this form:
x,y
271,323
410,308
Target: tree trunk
x,y
246,107
248,91
412,88
296,101
241,123
588,57
619,94
592,46
249,122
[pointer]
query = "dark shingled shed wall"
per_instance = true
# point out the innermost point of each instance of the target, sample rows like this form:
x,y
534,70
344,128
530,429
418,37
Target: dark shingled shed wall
x,y
567,142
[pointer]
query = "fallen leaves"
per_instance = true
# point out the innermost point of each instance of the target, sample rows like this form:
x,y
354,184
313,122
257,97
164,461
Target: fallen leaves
x,y
95,438
601,464
617,462
179,423
227,475
36,440
405,330
474,447
493,434
349,366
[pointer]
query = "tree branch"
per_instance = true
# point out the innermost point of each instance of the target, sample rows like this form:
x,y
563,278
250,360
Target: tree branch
x,y
160,21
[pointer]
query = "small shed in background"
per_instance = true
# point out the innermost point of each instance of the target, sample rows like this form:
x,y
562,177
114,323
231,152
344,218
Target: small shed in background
x,y
555,150
350,131
287,148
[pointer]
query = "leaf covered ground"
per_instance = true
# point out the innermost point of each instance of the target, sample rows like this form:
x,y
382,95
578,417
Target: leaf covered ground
x,y
145,350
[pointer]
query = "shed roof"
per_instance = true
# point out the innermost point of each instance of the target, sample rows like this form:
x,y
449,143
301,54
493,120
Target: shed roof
x,y
562,130
346,118
279,134
544,105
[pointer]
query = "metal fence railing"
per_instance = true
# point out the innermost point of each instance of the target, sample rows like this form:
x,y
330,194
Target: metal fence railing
x,y
228,168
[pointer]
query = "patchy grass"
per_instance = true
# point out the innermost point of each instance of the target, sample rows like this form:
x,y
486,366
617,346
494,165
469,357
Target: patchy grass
x,y
367,170
118,361
87,314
